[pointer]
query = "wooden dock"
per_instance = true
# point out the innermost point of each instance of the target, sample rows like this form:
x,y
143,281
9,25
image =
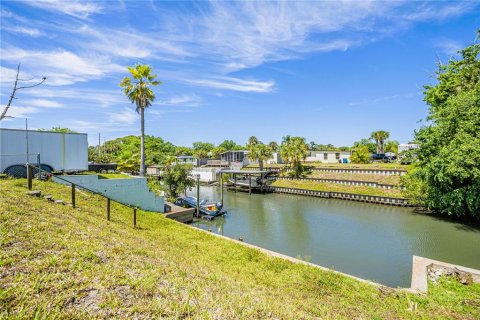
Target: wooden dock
x,y
180,214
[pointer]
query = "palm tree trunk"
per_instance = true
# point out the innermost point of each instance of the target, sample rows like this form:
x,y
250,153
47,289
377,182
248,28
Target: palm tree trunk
x,y
260,164
142,142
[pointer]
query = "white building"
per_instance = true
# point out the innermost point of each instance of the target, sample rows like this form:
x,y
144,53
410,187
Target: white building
x,y
275,159
186,160
328,156
406,146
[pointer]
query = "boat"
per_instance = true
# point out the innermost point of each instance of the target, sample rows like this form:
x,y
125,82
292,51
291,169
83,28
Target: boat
x,y
208,208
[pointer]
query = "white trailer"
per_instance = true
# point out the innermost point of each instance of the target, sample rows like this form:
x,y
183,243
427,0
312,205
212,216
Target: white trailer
x,y
55,151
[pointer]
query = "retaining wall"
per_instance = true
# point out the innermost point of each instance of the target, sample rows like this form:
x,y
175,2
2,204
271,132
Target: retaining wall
x,y
345,182
133,191
342,195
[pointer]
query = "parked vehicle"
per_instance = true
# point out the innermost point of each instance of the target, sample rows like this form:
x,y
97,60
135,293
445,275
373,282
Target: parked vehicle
x,y
102,167
383,157
52,151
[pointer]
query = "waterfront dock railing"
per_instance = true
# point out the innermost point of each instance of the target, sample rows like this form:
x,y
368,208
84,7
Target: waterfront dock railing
x,y
343,195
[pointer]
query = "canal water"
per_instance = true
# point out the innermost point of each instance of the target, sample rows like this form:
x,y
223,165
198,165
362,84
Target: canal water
x,y
374,242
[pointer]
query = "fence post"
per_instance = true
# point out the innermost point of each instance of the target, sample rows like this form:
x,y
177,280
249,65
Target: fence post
x,y
108,209
73,195
134,217
29,176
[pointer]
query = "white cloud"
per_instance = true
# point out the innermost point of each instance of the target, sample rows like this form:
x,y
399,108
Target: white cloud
x,y
7,75
449,47
20,112
61,67
235,84
75,8
32,32
126,116
439,11
188,100
42,103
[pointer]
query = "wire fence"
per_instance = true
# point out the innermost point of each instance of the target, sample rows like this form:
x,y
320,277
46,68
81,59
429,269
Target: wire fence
x,y
76,195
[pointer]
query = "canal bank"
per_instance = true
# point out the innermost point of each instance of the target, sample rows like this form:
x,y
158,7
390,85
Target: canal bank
x,y
373,242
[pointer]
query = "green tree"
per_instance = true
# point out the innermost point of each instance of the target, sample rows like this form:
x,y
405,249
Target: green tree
x,y
58,129
183,151
360,154
391,146
294,150
252,140
372,147
177,178
138,91
380,136
446,177
228,145
217,151
128,161
259,152
273,145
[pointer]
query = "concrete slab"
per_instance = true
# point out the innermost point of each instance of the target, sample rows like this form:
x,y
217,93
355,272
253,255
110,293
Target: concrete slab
x,y
420,272
180,214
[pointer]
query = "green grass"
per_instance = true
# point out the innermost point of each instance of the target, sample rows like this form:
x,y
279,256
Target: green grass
x,y
114,176
107,175
378,178
326,186
60,262
376,165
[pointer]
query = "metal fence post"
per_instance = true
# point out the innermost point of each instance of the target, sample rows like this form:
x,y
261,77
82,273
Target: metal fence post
x,y
108,209
198,195
73,195
134,217
29,176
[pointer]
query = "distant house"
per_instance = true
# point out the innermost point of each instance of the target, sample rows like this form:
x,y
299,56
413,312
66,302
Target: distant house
x,y
155,170
187,160
328,156
275,159
406,146
234,156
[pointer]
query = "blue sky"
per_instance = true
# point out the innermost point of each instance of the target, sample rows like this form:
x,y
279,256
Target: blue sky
x,y
332,72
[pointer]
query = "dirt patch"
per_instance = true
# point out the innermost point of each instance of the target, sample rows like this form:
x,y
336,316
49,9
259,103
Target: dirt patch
x,y
86,300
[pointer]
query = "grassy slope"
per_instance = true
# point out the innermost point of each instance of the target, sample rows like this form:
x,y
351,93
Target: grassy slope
x,y
326,186
59,261
393,179
376,165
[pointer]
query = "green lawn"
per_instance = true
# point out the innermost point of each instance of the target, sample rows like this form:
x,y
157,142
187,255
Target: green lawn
x,y
326,186
376,165
384,179
60,262
108,175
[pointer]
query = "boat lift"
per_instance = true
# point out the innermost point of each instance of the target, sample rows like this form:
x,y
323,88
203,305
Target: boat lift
x,y
251,184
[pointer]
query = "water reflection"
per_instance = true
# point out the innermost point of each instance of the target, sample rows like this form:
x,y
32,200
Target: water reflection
x,y
374,242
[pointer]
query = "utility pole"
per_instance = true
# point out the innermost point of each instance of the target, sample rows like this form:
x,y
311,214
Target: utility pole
x,y
99,152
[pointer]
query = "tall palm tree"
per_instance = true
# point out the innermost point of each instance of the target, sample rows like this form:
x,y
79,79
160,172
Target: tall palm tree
x,y
380,136
138,90
253,140
260,152
273,145
294,150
